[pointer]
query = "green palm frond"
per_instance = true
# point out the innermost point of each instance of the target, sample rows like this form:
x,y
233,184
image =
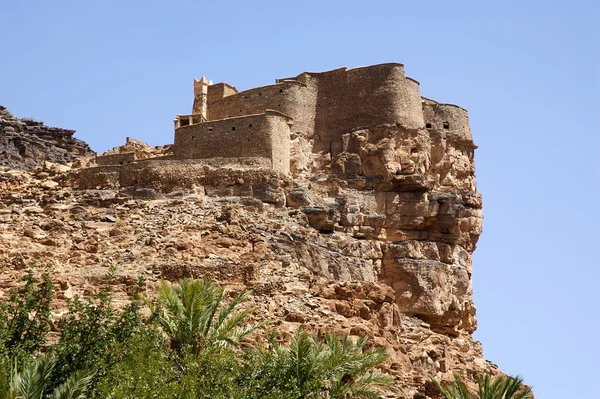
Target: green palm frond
x,y
195,316
458,390
499,388
32,381
348,367
74,388
503,388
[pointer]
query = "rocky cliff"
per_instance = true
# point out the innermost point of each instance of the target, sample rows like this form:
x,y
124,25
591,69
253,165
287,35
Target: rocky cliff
x,y
374,237
25,143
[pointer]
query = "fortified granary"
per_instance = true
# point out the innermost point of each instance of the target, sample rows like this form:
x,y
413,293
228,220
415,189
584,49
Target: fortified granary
x,y
367,121
260,122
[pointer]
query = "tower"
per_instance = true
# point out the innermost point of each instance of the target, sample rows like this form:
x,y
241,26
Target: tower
x,y
200,106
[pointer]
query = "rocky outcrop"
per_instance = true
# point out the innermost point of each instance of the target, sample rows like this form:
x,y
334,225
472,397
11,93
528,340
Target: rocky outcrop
x,y
25,143
321,259
372,235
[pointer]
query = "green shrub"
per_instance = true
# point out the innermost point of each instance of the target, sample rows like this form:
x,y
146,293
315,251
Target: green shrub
x,y
144,370
25,317
95,337
188,350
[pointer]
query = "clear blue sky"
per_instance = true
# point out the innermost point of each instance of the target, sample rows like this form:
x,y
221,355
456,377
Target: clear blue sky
x,y
527,71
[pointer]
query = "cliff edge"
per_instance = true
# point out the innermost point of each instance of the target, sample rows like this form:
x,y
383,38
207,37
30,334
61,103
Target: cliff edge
x,y
370,231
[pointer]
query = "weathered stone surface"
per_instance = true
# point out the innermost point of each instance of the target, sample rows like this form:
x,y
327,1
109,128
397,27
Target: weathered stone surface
x,y
26,143
371,232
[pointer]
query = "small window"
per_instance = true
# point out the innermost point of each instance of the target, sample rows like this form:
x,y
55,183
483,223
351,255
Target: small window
x,y
250,125
428,125
193,137
210,129
446,125
281,90
233,128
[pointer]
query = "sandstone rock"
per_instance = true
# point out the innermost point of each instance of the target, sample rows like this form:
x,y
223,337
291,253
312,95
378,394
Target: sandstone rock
x,y
26,143
48,184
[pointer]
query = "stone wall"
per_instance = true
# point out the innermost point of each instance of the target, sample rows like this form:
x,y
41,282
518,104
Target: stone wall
x,y
452,154
261,136
216,92
289,97
326,106
116,159
362,97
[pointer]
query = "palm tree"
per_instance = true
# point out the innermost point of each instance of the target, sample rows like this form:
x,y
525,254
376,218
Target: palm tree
x,y
32,382
194,316
499,388
503,388
458,390
348,366
332,367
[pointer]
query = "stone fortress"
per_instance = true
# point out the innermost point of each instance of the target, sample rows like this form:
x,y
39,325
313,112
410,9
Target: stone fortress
x,y
358,155
347,187
344,200
311,122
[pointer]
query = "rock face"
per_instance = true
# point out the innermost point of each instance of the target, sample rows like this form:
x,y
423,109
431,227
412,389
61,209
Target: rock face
x,y
25,143
371,234
312,261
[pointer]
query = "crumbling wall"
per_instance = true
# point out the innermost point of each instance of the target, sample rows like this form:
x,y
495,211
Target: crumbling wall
x,y
262,136
116,159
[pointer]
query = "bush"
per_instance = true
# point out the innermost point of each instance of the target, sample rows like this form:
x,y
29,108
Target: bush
x,y
25,318
144,370
191,351
95,337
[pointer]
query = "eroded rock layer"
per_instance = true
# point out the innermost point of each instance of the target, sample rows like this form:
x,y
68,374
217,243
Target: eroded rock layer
x,y
25,143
